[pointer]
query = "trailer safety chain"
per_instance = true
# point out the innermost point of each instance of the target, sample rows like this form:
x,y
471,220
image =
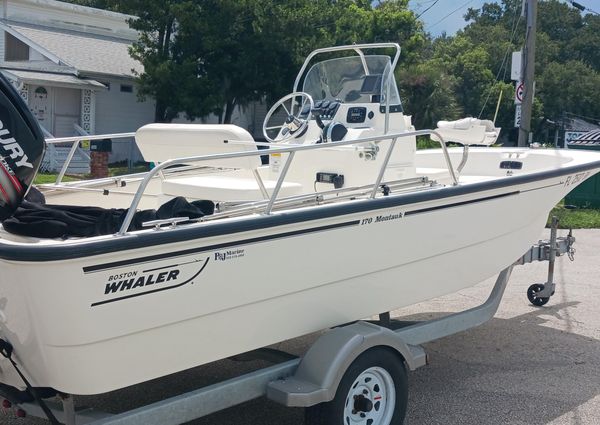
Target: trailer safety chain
x,y
6,349
571,254
570,249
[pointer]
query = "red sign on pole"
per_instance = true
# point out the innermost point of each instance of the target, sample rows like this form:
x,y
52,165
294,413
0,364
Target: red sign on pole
x,y
519,93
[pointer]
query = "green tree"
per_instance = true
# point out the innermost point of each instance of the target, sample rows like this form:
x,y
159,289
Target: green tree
x,y
428,94
469,64
216,55
585,46
171,71
243,48
570,87
567,57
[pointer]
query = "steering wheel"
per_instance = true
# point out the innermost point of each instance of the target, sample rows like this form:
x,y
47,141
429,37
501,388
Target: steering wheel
x,y
293,125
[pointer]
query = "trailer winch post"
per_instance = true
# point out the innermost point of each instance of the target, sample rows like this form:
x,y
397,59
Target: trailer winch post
x,y
550,286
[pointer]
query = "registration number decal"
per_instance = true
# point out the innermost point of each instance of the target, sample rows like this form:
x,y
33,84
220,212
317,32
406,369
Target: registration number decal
x,y
576,178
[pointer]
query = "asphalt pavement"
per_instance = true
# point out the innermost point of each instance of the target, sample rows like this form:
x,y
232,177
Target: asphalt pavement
x,y
528,365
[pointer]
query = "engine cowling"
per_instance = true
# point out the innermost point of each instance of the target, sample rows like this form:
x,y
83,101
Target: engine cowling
x,y
22,148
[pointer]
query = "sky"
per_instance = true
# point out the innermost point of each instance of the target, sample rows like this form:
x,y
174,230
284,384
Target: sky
x,y
447,15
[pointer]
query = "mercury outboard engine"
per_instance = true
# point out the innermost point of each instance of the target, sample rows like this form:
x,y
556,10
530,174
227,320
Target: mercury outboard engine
x,y
21,148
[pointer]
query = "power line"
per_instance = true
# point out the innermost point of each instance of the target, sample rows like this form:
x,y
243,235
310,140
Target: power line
x,y
582,7
515,26
423,12
577,5
451,13
419,4
582,116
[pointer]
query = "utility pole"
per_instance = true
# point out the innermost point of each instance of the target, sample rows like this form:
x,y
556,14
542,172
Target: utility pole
x,y
528,68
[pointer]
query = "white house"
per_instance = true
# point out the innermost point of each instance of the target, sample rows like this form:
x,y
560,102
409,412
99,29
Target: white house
x,y
72,66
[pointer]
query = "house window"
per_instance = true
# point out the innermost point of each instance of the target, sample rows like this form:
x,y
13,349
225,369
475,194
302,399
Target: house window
x,y
126,88
41,92
15,49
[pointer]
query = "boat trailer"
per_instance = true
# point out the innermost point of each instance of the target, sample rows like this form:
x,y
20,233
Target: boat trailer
x,y
314,379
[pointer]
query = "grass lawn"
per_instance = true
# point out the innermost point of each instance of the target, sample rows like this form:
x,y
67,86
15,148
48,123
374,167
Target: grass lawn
x,y
116,170
45,178
575,219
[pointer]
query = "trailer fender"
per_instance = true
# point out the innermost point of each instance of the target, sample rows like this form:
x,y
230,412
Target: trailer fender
x,y
322,367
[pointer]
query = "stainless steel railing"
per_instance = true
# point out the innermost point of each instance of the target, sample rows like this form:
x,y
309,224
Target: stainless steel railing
x,y
76,140
292,151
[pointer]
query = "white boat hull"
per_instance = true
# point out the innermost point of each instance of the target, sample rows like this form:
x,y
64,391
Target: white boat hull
x,y
182,304
345,222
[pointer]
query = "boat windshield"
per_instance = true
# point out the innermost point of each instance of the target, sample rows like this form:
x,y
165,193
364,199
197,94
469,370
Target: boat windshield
x,y
348,80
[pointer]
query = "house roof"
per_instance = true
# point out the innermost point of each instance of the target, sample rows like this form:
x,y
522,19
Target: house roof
x,y
87,53
60,80
70,9
578,124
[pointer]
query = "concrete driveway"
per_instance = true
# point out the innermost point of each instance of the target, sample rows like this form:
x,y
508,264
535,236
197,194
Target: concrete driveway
x,y
529,365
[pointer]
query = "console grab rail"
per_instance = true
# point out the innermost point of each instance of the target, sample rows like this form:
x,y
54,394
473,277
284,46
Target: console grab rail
x,y
291,150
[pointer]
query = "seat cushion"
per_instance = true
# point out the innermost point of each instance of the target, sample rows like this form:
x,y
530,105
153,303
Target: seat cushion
x,y
160,142
224,188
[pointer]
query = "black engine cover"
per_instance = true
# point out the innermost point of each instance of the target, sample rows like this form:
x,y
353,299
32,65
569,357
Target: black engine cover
x,y
22,148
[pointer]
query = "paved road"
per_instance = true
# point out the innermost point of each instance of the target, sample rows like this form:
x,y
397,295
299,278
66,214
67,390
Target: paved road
x,y
528,365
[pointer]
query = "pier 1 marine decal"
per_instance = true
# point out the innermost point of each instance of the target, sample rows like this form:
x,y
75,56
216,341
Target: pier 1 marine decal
x,y
229,254
135,283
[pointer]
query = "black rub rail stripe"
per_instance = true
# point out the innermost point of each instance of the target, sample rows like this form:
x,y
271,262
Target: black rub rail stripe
x,y
169,267
106,266
543,187
457,204
85,248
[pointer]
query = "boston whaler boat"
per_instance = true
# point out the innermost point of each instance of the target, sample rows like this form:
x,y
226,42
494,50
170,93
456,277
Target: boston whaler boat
x,y
346,221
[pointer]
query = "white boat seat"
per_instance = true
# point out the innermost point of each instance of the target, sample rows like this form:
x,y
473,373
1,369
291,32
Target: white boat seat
x,y
220,187
160,142
467,131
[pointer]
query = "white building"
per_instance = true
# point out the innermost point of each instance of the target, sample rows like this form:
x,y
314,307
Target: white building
x,y
72,66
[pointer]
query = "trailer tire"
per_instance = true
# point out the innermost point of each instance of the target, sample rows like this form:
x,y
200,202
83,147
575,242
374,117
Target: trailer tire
x,y
373,391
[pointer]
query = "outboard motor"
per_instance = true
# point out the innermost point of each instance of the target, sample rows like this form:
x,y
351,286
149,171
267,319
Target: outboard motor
x,y
22,147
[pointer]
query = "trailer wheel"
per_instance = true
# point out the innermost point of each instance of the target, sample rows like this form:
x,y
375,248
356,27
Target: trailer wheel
x,y
532,295
373,391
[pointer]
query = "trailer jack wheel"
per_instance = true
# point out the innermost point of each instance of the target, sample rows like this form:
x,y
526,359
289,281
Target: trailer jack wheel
x,y
373,391
532,292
